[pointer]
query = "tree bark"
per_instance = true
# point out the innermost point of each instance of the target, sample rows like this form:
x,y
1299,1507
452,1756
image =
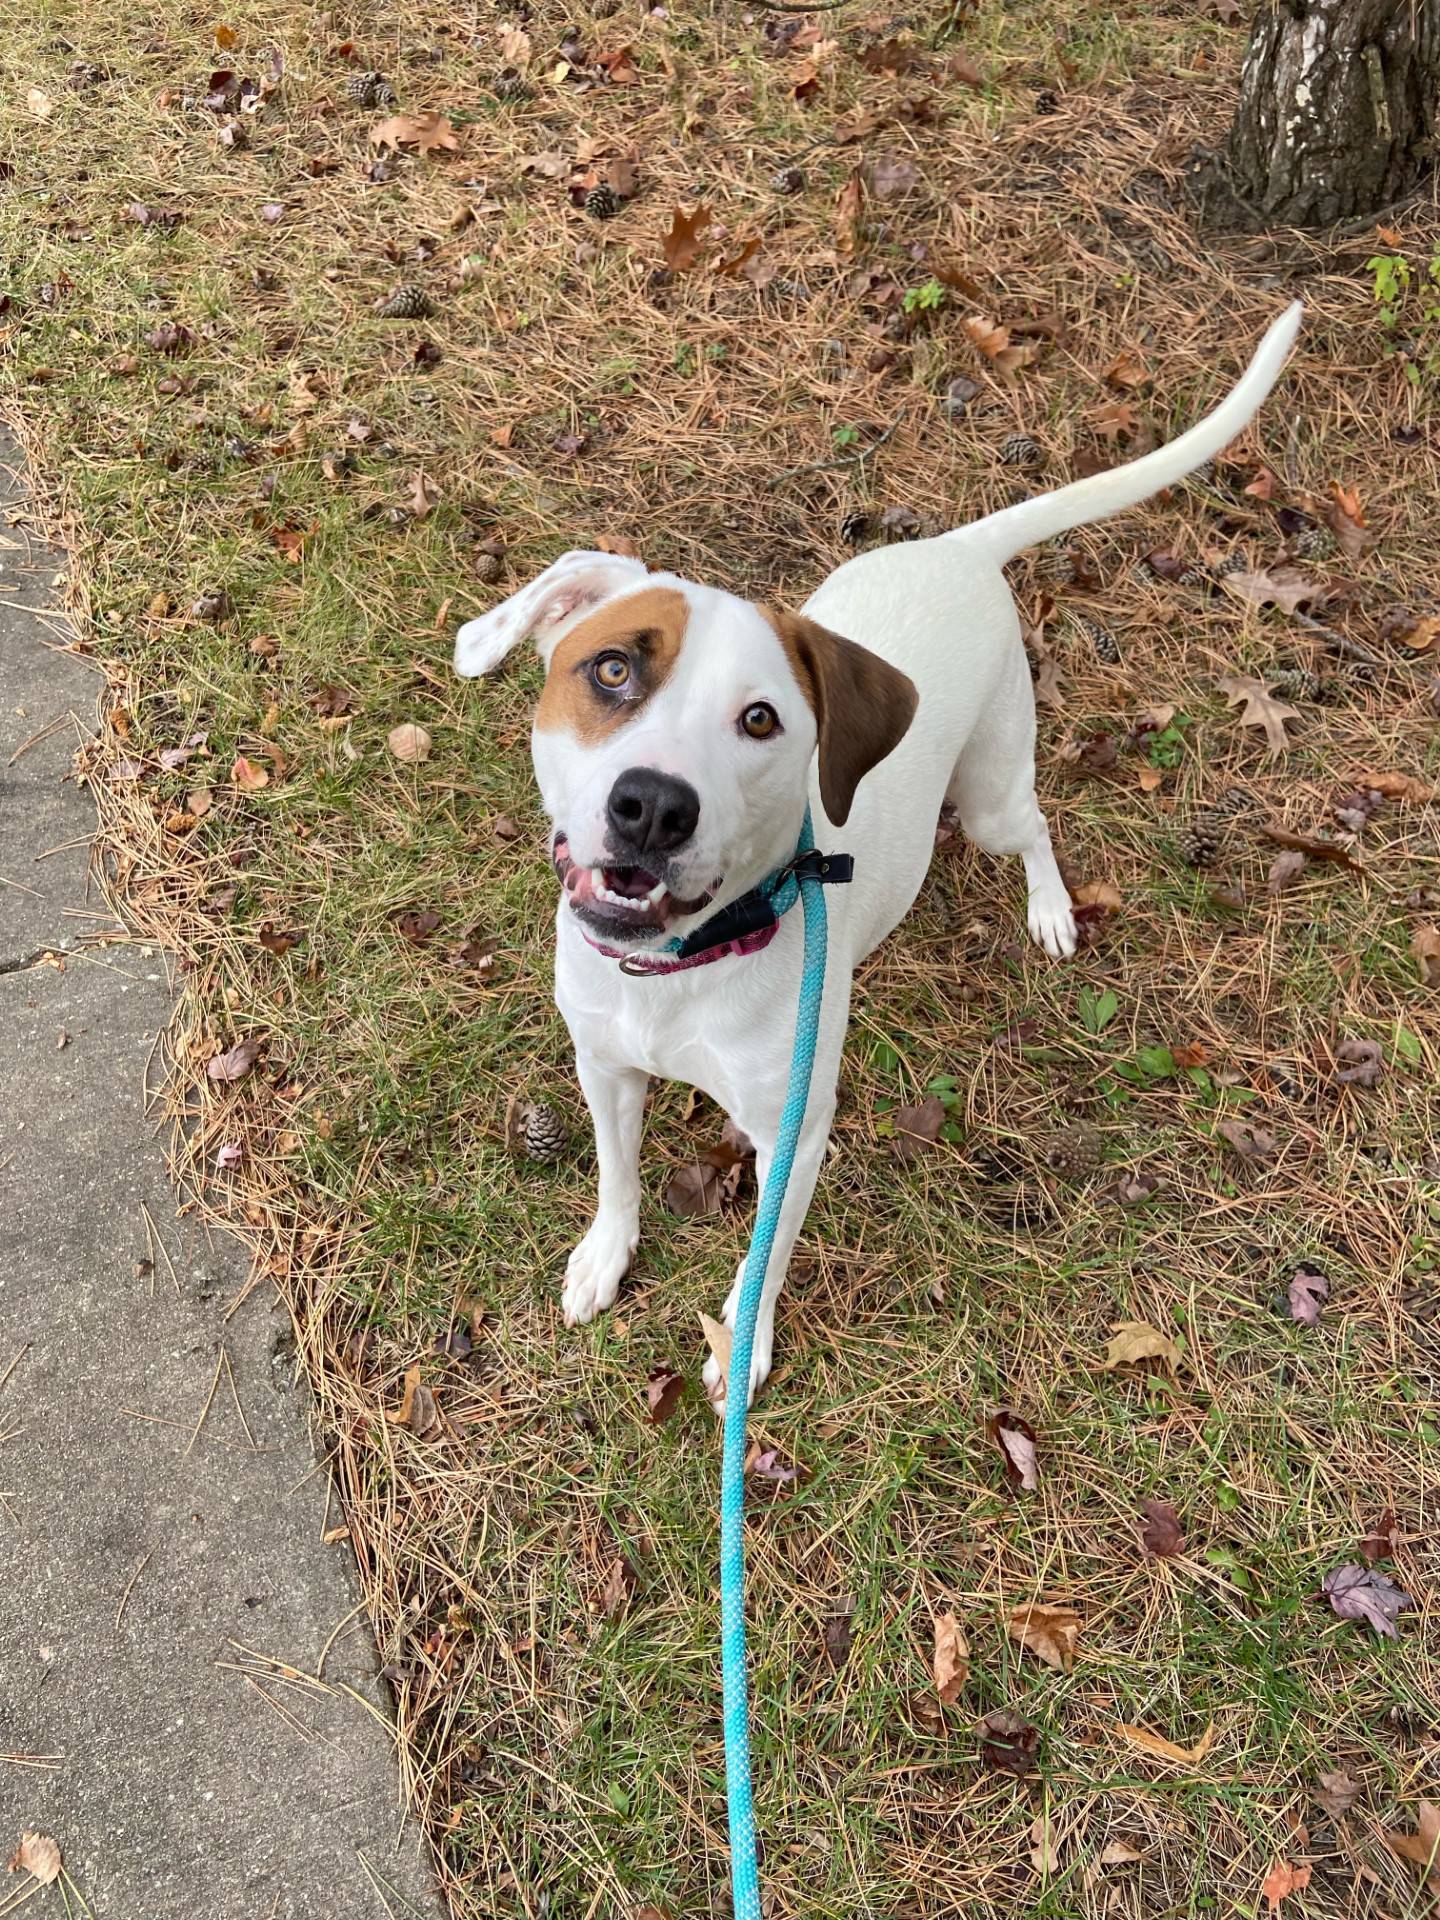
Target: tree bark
x,y
1337,113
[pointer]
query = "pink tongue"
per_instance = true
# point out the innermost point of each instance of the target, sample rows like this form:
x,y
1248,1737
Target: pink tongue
x,y
633,886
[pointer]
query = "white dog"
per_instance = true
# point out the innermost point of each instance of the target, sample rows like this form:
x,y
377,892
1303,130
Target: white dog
x,y
680,737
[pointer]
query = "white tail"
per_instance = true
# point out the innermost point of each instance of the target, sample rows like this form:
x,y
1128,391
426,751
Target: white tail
x,y
1101,494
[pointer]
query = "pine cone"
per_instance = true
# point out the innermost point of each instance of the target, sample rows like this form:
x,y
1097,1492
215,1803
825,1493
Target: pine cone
x,y
1297,683
510,84
855,528
1074,1152
1234,802
1234,562
1315,543
489,566
788,180
1019,450
1197,574
1103,643
370,90
1203,475
542,1132
1047,101
405,303
602,202
1203,841
1055,562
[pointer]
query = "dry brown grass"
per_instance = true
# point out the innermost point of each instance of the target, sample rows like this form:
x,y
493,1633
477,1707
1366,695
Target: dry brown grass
x,y
569,1763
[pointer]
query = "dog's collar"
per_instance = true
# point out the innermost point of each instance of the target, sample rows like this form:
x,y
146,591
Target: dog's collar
x,y
747,924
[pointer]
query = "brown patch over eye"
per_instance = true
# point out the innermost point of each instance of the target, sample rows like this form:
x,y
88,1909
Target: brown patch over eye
x,y
610,664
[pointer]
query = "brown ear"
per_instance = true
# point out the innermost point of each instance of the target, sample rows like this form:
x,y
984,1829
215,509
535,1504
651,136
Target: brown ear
x,y
862,705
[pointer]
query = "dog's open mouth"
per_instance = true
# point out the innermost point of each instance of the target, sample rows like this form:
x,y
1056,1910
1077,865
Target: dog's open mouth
x,y
623,901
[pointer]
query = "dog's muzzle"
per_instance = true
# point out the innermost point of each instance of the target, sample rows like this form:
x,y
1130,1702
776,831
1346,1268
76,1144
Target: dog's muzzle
x,y
623,902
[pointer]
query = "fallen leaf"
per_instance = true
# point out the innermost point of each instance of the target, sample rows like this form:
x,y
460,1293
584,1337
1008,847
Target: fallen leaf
x,y
550,165
1099,893
835,1638
1261,708
1359,1063
1283,1878
418,927
1114,420
892,175
1132,1190
42,106
849,206
1307,1294
682,243
1315,844
1251,1142
515,48
247,775
1049,1632
1381,1541
39,1855
738,262
1284,587
277,942
1336,1793
1422,1846
1008,1742
1127,372
994,342
1285,870
408,742
1397,786
427,132
619,1585
1360,1593
1346,520
423,495
229,1157
770,1464
1263,486
1416,633
1116,1853
1161,1533
236,1061
1160,1748
1017,1443
917,1128
662,1393
720,1340
225,37
952,1659
964,69
1425,945
1045,1853
1132,1341
708,1184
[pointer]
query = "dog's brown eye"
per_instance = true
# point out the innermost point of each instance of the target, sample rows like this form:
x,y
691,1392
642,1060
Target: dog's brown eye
x,y
759,721
611,671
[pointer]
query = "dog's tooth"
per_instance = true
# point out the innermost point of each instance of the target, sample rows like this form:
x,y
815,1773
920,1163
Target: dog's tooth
x,y
655,893
597,879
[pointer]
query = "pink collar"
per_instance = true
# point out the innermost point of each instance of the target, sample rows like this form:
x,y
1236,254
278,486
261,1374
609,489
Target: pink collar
x,y
646,965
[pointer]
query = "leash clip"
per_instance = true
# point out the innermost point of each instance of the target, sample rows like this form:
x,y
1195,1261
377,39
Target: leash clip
x,y
830,869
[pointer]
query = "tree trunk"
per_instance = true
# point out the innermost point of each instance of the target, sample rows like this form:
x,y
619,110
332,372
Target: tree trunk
x,y
1337,113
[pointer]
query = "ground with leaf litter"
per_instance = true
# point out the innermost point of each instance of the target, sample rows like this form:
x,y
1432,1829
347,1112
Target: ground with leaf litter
x,y
1091,1549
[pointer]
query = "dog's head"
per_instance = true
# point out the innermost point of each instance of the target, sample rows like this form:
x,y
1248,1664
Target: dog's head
x,y
675,732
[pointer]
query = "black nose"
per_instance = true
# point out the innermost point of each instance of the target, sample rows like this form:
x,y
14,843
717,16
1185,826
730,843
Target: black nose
x,y
651,812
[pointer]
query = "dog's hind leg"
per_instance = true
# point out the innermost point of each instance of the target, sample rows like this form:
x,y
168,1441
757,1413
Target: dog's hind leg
x,y
616,1098
993,790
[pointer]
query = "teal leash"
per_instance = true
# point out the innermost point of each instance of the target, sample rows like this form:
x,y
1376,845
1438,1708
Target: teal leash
x,y
744,1868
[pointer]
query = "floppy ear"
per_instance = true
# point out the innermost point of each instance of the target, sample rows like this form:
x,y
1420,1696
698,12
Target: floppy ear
x,y
862,705
574,584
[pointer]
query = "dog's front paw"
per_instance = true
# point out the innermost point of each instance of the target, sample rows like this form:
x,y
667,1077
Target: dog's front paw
x,y
1051,921
595,1270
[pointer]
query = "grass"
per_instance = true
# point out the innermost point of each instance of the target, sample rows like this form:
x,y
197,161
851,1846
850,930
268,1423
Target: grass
x,y
569,1763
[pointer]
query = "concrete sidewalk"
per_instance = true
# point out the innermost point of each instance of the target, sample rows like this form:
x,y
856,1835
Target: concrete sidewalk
x,y
152,1580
